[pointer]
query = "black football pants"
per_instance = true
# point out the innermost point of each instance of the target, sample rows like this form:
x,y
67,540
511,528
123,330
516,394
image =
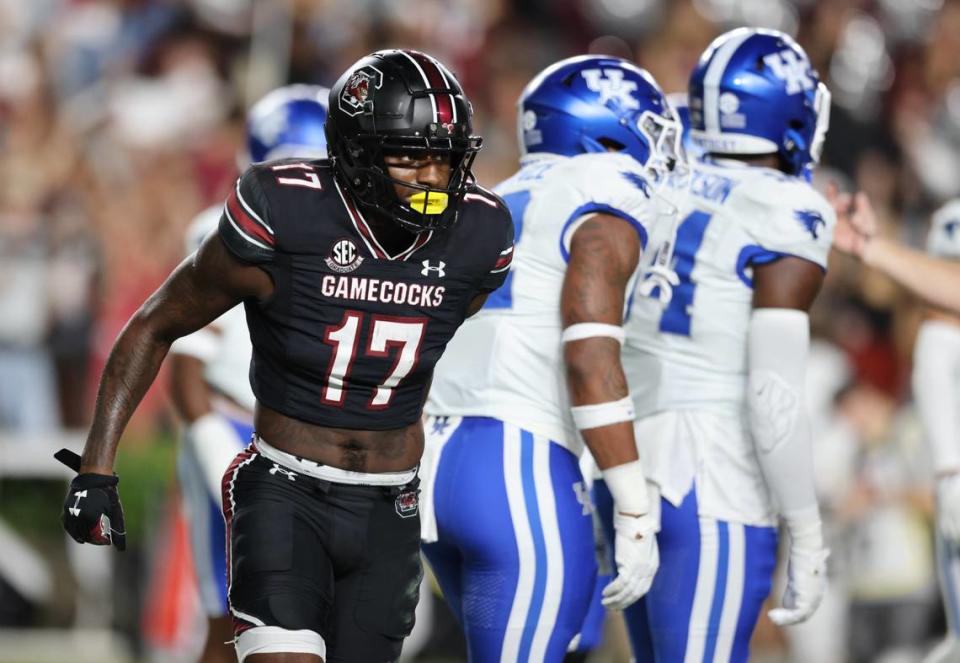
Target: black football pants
x,y
341,560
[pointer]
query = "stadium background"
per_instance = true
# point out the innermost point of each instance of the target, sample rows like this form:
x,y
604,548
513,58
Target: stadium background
x,y
119,120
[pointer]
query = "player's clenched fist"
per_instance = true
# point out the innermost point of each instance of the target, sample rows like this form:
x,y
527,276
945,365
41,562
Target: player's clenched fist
x,y
92,512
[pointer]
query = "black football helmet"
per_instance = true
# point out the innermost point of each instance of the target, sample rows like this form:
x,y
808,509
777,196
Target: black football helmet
x,y
401,102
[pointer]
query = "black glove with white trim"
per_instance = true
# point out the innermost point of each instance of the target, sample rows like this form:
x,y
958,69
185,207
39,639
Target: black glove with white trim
x,y
92,512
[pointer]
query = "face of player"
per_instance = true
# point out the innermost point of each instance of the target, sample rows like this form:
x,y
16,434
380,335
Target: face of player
x,y
421,168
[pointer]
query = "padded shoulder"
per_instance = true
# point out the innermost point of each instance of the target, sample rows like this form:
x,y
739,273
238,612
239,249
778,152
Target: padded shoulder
x,y
245,226
784,215
493,228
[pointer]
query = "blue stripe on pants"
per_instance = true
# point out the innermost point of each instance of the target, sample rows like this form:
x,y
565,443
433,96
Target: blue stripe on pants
x,y
719,591
478,560
207,529
685,617
539,546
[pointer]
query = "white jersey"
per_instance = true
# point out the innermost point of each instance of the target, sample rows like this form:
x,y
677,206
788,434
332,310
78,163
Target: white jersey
x,y
506,361
943,240
936,355
686,364
223,346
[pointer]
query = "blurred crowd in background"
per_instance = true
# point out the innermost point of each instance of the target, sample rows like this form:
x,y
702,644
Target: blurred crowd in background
x,y
121,119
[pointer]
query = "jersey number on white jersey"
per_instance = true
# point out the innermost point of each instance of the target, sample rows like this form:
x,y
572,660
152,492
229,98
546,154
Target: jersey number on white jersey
x,y
676,316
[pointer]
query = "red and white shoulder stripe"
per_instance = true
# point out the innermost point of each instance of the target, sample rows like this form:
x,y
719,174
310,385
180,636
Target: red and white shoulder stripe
x,y
246,221
503,262
481,195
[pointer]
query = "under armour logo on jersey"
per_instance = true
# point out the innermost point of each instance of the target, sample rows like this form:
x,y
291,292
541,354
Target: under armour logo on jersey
x,y
288,473
950,227
75,509
611,86
788,67
811,219
439,268
583,497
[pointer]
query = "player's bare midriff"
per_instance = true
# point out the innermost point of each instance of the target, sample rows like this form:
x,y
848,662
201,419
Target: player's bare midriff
x,y
356,450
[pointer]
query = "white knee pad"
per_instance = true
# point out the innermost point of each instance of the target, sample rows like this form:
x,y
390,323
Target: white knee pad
x,y
276,640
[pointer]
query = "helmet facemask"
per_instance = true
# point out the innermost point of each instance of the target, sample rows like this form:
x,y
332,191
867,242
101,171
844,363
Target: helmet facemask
x,y
664,136
428,208
821,106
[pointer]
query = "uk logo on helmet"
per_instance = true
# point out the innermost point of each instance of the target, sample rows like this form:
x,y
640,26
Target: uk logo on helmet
x,y
358,88
611,86
788,67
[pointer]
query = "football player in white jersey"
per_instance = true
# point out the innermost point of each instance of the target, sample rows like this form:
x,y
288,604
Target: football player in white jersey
x,y
936,390
210,386
507,519
717,376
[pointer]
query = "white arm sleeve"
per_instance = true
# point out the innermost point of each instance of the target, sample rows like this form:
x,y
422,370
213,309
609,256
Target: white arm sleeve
x,y
779,340
215,443
936,359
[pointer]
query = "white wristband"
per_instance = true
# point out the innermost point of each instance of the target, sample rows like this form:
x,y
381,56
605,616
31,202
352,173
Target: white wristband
x,y
628,486
583,330
603,414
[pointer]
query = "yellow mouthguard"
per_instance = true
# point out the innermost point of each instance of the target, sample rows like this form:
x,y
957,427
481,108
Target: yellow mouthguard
x,y
434,205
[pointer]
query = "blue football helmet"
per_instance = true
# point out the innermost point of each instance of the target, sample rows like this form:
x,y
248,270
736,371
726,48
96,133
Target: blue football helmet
x,y
754,91
288,122
592,103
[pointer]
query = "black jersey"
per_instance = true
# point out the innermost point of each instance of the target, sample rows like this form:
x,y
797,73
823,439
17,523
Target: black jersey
x,y
351,334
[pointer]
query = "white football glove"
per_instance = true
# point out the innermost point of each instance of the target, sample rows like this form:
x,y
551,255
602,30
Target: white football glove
x,y
948,507
806,570
637,558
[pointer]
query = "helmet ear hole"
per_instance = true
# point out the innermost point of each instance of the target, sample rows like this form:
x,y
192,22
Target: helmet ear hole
x,y
611,145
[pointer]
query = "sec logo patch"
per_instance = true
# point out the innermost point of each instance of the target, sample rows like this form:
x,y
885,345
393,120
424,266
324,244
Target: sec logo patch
x,y
344,257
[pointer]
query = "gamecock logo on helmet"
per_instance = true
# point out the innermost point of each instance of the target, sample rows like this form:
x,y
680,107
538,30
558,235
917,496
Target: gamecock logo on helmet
x,y
358,89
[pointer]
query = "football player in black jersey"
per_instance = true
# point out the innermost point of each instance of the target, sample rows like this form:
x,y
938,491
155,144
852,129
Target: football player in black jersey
x,y
354,272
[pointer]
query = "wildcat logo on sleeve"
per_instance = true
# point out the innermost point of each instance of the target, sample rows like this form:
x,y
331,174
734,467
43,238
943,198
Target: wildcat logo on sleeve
x,y
408,503
811,220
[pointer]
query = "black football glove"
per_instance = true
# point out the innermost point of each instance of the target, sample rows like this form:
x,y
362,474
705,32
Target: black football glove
x,y
91,511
